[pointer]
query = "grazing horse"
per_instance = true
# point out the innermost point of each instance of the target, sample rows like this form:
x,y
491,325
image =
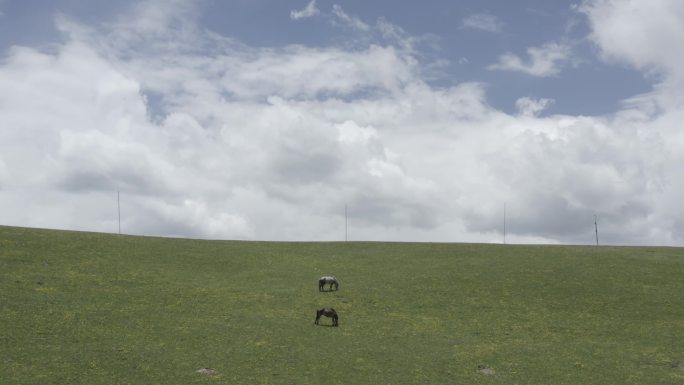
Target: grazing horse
x,y
328,280
328,312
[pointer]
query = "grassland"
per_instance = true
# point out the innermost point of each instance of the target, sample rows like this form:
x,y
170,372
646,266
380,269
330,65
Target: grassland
x,y
88,308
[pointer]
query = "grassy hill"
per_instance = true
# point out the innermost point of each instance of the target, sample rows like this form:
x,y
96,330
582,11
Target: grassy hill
x,y
88,308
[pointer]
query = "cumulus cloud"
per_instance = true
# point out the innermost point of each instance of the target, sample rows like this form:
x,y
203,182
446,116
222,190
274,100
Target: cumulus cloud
x,y
227,149
207,137
544,61
579,167
483,22
309,11
645,34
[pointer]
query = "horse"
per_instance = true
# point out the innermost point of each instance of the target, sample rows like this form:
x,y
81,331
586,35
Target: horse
x,y
328,280
328,312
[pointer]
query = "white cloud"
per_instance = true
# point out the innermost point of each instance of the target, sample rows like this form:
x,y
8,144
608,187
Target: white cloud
x,y
483,22
544,61
265,143
646,34
532,107
348,20
309,11
382,32
154,17
305,72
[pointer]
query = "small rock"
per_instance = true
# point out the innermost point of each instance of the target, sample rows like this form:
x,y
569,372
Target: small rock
x,y
207,372
486,371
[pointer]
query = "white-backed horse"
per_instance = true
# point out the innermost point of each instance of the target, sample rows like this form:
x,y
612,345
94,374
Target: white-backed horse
x,y
328,280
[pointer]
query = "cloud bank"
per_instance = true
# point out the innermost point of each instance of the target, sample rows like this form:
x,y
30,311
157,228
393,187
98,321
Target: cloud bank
x,y
207,137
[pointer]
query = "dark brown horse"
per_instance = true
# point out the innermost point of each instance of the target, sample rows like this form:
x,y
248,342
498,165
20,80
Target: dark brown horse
x,y
328,312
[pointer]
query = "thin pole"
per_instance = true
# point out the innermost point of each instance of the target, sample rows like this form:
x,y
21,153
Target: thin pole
x,y
504,223
596,229
118,203
345,223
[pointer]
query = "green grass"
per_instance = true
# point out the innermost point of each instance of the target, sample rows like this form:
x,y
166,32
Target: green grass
x,y
88,308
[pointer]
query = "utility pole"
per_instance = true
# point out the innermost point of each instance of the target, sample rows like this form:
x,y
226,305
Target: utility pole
x,y
118,204
504,223
345,223
596,229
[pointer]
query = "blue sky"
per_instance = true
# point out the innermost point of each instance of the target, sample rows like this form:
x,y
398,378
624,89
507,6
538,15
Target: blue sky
x,y
263,119
579,88
469,50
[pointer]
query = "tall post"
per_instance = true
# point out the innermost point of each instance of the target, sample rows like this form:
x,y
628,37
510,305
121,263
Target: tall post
x,y
345,223
504,223
118,204
596,229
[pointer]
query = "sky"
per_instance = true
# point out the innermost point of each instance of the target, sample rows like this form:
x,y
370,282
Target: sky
x,y
325,120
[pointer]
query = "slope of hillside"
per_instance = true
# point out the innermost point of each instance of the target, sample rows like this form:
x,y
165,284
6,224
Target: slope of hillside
x,y
89,308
